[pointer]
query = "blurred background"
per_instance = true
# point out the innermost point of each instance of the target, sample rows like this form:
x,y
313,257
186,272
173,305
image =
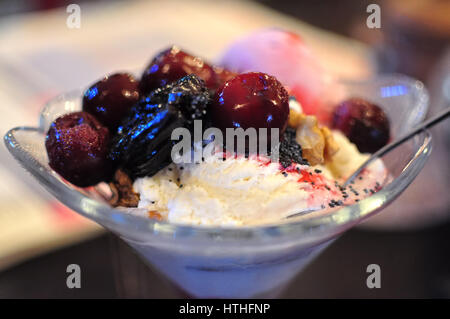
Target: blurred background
x,y
41,57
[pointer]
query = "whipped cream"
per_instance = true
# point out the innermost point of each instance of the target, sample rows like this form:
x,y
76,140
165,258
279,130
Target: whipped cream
x,y
232,192
240,191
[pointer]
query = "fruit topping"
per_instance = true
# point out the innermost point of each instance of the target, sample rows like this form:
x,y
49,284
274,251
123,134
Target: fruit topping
x,y
173,64
287,57
77,148
249,100
188,94
364,123
142,145
111,98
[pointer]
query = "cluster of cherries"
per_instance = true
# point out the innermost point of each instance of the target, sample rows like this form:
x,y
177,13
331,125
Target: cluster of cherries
x,y
127,124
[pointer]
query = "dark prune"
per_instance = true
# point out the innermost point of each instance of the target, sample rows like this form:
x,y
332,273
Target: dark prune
x,y
142,145
189,94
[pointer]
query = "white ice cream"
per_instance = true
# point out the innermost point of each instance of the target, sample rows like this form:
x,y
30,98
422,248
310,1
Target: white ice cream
x,y
240,191
231,192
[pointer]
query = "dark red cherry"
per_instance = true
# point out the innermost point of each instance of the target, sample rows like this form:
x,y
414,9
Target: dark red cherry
x,y
77,148
364,123
251,100
110,99
171,65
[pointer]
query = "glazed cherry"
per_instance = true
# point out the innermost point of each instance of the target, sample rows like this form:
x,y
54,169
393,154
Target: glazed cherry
x,y
77,148
251,100
173,64
110,99
364,123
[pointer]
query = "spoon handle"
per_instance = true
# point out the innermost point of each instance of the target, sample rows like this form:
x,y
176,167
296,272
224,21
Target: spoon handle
x,y
427,124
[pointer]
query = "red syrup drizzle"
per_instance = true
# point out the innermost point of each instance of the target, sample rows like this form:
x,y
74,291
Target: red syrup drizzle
x,y
340,196
315,179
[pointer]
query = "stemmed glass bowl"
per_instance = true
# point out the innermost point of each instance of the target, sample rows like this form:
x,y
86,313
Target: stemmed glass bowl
x,y
245,261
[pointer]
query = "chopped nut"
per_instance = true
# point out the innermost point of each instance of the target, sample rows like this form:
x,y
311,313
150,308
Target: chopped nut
x,y
318,144
331,146
311,139
295,118
122,189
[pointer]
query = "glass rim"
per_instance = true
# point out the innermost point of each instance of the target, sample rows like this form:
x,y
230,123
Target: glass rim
x,y
122,222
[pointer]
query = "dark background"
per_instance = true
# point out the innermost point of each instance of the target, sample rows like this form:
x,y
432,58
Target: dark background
x,y
414,264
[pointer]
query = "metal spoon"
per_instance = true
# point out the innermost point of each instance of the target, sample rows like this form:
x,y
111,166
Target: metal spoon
x,y
389,147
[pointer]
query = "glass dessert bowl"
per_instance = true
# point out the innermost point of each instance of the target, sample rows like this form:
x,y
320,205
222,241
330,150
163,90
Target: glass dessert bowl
x,y
237,261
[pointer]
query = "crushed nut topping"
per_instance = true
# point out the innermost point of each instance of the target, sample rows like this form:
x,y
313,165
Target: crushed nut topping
x,y
317,142
123,192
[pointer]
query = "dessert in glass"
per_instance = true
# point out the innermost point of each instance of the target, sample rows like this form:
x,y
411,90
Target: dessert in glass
x,y
217,221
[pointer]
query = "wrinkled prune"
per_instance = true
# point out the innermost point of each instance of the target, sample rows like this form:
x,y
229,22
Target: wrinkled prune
x,y
189,95
142,145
